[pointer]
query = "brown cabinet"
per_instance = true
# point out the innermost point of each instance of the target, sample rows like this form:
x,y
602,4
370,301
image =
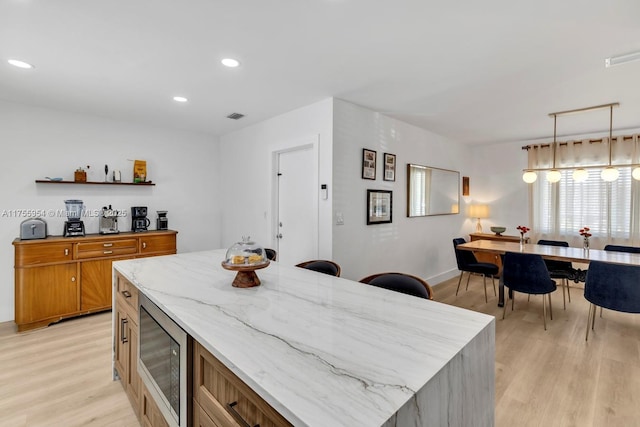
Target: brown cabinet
x,y
223,397
150,415
60,277
126,344
488,257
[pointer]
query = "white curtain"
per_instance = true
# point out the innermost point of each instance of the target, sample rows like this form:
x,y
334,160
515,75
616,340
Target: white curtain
x,y
610,209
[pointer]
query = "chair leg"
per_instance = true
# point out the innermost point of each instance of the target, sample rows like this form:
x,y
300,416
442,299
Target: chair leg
x,y
459,280
484,282
513,300
544,313
592,309
504,309
493,281
568,289
564,301
468,277
593,319
550,307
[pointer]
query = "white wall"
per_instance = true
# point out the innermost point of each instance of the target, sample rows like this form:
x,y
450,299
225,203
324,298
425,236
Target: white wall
x,y
247,179
40,142
421,246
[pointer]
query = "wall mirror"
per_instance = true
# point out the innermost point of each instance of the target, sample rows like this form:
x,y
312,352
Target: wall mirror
x,y
432,191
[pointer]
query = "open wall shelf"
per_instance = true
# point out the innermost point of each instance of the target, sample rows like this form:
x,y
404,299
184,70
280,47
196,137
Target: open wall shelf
x,y
139,184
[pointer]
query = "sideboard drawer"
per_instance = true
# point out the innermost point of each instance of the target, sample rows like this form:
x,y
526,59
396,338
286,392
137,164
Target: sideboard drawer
x,y
36,254
225,398
107,248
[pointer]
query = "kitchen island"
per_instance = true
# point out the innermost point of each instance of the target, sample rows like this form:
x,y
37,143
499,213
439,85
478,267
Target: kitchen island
x,y
327,351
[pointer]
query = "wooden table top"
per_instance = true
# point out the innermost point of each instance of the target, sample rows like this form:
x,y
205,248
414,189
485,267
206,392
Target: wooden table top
x,y
553,252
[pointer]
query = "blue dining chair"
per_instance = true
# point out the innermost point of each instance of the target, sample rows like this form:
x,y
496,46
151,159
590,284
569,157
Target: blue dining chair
x,y
322,266
620,248
612,286
400,282
527,273
467,263
562,270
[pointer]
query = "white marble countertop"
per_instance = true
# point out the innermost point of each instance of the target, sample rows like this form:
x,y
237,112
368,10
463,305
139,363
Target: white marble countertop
x,y
323,351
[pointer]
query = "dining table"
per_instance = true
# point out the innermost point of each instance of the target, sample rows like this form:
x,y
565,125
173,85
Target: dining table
x,y
558,253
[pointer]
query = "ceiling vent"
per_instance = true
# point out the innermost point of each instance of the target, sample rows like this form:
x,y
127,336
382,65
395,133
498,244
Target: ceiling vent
x,y
235,116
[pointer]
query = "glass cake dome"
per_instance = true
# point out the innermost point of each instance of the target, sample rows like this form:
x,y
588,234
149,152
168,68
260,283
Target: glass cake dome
x,y
245,253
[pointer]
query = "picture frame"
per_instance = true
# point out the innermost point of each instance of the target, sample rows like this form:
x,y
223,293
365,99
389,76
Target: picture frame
x,y
389,171
379,206
368,164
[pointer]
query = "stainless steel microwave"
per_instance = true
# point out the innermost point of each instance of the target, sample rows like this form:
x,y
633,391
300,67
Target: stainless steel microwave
x,y
163,362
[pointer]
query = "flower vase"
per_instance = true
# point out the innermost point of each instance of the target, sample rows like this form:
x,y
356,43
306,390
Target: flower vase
x,y
585,244
522,240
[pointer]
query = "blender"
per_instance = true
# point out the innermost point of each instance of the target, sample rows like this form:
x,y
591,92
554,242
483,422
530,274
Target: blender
x,y
73,226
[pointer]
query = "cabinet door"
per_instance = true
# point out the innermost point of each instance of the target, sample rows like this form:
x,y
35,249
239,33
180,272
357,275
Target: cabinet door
x,y
46,292
96,285
150,415
121,344
158,244
134,382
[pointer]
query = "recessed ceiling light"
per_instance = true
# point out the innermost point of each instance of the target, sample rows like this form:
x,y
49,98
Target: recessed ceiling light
x,y
230,62
20,64
180,99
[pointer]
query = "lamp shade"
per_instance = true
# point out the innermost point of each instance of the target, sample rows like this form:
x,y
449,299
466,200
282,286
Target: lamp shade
x,y
479,211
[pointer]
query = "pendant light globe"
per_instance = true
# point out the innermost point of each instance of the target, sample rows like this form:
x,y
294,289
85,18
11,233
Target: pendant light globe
x,y
609,174
554,175
636,174
529,177
580,175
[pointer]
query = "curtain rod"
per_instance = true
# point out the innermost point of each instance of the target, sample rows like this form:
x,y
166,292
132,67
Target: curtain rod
x,y
527,147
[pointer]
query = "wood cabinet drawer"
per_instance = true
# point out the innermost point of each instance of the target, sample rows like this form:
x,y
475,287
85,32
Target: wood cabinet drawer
x,y
200,418
36,254
227,399
106,248
128,294
151,244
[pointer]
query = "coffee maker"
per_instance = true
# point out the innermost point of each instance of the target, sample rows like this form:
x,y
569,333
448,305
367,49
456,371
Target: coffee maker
x,y
73,226
108,221
162,222
139,220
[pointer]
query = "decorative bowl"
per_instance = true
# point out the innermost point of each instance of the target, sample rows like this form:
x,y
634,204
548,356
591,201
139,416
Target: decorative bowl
x,y
498,230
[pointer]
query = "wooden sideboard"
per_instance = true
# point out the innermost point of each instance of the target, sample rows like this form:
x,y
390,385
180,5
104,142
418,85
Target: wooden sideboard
x,y
488,257
60,277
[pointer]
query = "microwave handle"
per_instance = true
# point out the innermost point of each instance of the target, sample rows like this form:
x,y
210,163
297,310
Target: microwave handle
x,y
237,416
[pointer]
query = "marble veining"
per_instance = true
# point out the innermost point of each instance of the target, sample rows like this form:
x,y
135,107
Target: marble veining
x,y
321,350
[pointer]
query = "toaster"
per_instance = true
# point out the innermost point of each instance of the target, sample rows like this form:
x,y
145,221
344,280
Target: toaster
x,y
33,228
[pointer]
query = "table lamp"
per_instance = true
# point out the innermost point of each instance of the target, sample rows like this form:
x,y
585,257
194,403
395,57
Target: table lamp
x,y
479,211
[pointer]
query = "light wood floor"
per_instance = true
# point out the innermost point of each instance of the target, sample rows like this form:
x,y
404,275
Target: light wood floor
x,y
554,377
61,375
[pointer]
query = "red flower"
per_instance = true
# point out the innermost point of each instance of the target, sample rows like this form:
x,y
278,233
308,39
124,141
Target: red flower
x,y
523,229
585,232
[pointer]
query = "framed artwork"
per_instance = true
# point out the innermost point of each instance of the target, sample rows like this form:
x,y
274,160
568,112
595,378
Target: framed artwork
x,y
465,185
389,167
368,164
379,206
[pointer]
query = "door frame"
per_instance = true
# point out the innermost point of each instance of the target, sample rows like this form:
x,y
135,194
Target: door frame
x,y
298,144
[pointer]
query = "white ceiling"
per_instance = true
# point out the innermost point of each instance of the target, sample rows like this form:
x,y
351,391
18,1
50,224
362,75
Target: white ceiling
x,y
475,71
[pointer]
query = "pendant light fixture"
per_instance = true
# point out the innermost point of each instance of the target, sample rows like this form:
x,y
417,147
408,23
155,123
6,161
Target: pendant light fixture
x,y
610,173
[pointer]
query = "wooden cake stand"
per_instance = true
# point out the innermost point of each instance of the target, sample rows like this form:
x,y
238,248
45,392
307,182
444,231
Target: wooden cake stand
x,y
246,277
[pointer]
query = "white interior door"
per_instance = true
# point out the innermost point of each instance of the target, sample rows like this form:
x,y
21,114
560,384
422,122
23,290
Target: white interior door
x,y
297,204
